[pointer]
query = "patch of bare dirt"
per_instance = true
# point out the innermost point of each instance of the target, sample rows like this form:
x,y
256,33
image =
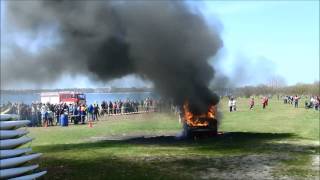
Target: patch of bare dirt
x,y
243,167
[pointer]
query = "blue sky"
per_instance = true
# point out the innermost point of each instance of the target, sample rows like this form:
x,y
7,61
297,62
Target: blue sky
x,y
268,38
284,33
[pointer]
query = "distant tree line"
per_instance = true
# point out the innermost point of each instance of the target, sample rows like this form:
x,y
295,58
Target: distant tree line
x,y
299,89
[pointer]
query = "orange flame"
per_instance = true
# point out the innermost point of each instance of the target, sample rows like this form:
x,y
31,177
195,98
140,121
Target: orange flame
x,y
199,120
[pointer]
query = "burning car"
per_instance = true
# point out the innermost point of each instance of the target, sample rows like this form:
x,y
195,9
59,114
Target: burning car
x,y
199,124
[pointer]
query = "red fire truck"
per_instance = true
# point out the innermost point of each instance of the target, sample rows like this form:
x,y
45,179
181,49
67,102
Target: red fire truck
x,y
68,97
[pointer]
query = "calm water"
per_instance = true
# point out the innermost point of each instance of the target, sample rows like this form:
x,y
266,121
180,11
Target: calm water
x,y
28,98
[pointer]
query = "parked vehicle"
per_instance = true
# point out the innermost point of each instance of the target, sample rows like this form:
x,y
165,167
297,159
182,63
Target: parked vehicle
x,y
68,97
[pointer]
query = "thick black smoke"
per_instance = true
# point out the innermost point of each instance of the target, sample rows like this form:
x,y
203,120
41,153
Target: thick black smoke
x,y
162,41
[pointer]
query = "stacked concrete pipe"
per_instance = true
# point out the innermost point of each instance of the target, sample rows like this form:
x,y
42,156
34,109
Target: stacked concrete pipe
x,y
12,158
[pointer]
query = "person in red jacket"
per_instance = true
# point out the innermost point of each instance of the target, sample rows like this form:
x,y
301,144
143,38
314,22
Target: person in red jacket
x,y
264,102
267,101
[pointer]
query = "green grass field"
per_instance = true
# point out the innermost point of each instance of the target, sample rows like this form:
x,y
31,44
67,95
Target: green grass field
x,y
280,142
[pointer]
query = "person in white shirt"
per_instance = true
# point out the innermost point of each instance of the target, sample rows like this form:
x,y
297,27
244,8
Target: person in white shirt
x,y
43,113
312,101
234,105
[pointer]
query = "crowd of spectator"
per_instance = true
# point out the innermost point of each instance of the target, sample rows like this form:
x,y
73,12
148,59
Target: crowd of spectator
x,y
46,114
293,100
128,106
313,102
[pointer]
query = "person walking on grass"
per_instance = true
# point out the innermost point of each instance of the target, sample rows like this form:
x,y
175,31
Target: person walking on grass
x,y
264,102
267,100
251,103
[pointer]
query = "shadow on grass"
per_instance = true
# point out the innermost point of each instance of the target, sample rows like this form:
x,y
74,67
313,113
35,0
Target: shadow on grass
x,y
107,168
219,152
168,168
233,141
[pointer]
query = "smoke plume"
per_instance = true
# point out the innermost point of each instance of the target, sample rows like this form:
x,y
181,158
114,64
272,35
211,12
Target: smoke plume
x,y
162,41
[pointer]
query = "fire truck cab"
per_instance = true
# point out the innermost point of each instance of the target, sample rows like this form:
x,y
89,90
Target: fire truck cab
x,y
72,98
68,97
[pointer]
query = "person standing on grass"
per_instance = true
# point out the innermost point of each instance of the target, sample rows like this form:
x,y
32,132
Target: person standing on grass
x,y
58,112
285,100
230,104
110,107
103,108
33,114
312,101
115,107
251,103
96,111
234,104
49,117
119,107
296,101
90,113
82,113
317,103
43,114
137,106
